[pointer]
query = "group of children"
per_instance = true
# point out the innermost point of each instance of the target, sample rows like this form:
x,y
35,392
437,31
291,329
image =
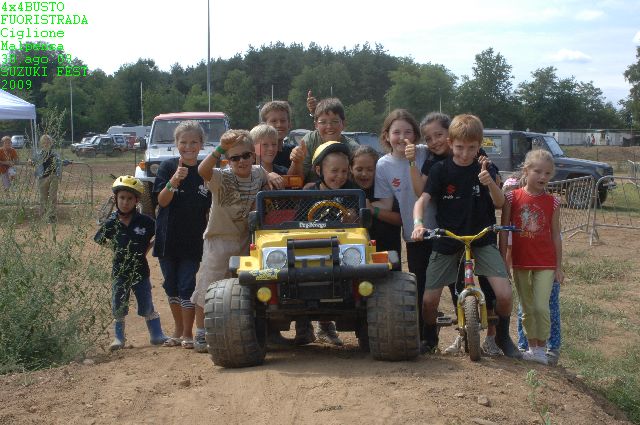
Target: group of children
x,y
447,182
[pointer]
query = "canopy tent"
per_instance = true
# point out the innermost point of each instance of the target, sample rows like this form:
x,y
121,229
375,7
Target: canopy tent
x,y
14,108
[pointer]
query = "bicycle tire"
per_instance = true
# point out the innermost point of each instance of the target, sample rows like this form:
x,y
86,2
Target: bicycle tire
x,y
472,327
105,210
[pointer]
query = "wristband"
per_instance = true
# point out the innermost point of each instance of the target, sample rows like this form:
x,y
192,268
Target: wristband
x,y
412,163
169,187
220,150
417,221
376,211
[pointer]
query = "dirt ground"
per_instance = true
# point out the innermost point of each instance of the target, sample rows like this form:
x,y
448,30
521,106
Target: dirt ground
x,y
313,384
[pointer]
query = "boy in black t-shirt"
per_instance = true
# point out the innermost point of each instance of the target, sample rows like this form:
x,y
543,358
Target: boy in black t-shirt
x,y
130,234
466,195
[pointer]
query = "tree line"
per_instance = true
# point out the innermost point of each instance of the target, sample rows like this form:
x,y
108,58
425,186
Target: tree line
x,y
367,79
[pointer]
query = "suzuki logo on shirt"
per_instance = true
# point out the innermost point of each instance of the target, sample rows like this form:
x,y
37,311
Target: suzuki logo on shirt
x,y
202,190
395,182
139,230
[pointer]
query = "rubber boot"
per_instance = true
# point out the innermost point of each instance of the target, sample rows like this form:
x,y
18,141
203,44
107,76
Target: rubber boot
x,y
503,339
119,339
430,341
305,333
157,337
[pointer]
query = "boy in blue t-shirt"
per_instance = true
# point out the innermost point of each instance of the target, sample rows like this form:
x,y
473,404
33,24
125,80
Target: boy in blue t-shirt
x,y
466,194
130,234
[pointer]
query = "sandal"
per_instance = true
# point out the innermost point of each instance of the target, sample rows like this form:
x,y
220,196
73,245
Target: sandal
x,y
172,342
187,343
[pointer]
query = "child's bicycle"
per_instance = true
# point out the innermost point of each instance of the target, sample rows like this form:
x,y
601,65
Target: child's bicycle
x,y
472,307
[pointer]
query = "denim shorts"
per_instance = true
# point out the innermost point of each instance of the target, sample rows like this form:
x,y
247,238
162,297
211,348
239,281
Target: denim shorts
x,y
120,293
179,276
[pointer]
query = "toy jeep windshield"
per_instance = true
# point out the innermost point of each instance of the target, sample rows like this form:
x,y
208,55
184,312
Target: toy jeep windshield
x,y
311,259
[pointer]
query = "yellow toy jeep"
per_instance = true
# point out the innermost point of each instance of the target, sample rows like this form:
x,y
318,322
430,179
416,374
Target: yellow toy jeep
x,y
311,259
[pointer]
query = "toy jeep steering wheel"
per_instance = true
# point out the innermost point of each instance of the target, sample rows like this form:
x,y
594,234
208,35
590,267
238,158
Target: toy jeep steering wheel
x,y
326,211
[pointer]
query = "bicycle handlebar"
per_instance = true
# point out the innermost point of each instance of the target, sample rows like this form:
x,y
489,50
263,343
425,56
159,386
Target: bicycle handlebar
x,y
438,233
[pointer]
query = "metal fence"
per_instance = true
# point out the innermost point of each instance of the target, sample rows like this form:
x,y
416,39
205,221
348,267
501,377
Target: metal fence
x,y
621,208
576,204
634,169
75,186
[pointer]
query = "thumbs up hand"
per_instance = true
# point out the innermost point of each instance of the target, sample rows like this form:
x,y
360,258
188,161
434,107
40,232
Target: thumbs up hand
x,y
180,174
484,176
409,150
312,102
299,153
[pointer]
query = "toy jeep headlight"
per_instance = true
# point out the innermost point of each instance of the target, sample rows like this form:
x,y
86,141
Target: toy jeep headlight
x,y
274,258
351,255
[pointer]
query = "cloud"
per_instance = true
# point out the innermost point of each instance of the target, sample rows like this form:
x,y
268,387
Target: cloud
x,y
566,55
636,38
589,15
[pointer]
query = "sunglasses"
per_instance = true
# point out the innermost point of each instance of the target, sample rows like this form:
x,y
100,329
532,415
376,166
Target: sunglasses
x,y
236,158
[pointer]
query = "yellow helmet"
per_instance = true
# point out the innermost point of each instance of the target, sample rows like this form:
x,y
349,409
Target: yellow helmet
x,y
329,147
128,183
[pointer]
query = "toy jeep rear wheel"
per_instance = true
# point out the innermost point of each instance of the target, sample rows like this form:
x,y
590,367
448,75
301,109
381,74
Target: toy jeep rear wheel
x,y
392,316
146,201
235,334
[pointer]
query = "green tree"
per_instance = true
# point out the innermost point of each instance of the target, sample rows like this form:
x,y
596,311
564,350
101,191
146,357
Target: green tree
x,y
362,117
238,100
421,88
324,81
196,100
632,75
488,93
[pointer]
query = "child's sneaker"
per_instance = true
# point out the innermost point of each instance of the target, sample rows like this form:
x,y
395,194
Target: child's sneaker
x,y
200,344
489,346
553,356
327,333
536,354
456,347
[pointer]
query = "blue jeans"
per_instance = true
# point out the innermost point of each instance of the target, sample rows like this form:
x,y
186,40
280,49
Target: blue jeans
x,y
555,338
121,291
179,276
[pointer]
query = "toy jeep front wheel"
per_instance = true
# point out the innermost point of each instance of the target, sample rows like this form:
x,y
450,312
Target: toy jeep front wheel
x,y
392,317
235,334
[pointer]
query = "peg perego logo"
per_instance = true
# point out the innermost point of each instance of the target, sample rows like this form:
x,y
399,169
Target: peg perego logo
x,y
310,225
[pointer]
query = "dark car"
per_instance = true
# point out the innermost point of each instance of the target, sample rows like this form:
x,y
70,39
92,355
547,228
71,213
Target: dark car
x,y
365,138
100,144
507,149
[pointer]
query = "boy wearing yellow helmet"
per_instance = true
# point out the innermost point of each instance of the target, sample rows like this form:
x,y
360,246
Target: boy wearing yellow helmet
x,y
130,235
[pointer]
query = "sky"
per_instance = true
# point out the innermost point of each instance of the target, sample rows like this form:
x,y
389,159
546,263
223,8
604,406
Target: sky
x,y
590,40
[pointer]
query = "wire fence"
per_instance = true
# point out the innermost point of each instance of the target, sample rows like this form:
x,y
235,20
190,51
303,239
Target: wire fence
x,y
621,208
75,186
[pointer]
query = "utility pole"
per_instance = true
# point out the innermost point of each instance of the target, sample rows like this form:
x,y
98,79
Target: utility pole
x,y
209,53
141,106
71,94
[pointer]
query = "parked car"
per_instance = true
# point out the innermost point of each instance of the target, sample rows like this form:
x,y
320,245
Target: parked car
x,y
17,142
365,138
160,146
121,142
507,149
295,136
100,144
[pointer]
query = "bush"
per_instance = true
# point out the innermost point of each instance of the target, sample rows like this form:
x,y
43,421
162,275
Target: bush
x,y
55,286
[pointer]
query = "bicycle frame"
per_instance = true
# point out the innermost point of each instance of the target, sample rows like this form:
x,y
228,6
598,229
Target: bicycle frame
x,y
471,288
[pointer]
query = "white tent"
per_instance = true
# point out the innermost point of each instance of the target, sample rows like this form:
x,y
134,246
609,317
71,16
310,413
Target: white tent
x,y
14,108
